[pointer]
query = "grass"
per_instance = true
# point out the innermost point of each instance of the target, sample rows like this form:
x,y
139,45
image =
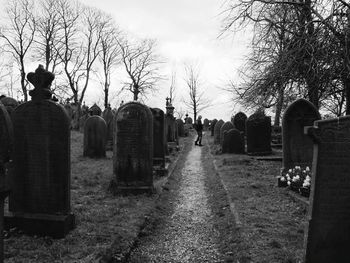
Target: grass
x,y
107,225
272,222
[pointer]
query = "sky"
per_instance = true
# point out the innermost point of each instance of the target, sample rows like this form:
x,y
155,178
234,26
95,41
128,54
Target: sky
x,y
186,32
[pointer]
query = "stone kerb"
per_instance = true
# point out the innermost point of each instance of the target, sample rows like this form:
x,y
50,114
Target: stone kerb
x,y
95,137
133,148
217,131
327,235
39,202
233,142
298,147
225,127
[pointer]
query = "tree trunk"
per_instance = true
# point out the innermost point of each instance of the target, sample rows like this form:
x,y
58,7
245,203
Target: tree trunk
x,y
106,96
312,87
346,82
279,105
23,79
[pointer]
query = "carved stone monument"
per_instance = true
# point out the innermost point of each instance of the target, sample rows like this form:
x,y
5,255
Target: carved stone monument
x,y
298,147
6,144
217,131
133,148
95,136
39,201
327,236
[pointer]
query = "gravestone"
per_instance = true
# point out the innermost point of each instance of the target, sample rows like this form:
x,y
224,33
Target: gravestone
x,y
298,147
233,142
39,201
95,136
327,236
239,121
212,125
158,138
205,124
9,103
6,148
225,127
217,131
170,128
258,129
189,120
133,148
180,127
108,116
95,110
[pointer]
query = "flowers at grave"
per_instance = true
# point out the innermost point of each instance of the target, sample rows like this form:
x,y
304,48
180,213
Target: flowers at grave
x,y
297,179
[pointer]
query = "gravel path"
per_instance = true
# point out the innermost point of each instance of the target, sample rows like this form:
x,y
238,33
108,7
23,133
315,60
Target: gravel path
x,y
188,232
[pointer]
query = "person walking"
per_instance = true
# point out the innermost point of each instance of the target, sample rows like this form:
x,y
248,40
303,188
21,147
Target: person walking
x,y
199,129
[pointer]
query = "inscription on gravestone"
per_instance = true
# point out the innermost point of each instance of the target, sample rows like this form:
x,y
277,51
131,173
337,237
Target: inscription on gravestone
x,y
327,236
133,148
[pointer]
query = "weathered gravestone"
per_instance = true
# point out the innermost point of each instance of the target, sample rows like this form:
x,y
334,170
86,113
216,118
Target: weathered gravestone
x,y
298,147
170,128
10,104
108,116
6,144
159,142
189,120
133,148
180,127
258,129
217,131
212,125
225,127
39,201
327,236
233,142
95,136
95,110
206,124
239,121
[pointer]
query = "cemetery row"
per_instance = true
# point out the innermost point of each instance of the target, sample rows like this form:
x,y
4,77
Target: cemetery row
x,y
35,154
315,161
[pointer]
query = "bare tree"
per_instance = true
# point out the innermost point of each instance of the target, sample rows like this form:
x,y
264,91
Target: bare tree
x,y
172,87
142,66
197,101
18,33
109,55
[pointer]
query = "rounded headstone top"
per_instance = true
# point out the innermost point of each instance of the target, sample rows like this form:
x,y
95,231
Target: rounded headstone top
x,y
95,110
258,115
134,104
297,103
8,101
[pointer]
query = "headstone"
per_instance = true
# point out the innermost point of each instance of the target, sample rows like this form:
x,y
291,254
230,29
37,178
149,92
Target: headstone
x,y
233,142
205,124
239,121
95,110
298,147
327,236
6,144
158,138
95,136
217,131
180,127
258,129
189,120
39,201
108,116
170,128
212,125
133,151
276,135
225,127
10,104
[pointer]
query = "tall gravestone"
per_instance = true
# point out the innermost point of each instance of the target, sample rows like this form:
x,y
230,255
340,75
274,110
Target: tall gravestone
x,y
205,124
180,128
133,148
239,121
258,129
217,131
95,137
212,125
39,201
327,236
108,116
225,127
6,144
159,140
95,110
233,142
298,147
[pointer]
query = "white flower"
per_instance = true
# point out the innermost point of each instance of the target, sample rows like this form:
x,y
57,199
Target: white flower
x,y
290,170
297,167
307,169
283,179
297,177
288,182
306,184
308,178
288,177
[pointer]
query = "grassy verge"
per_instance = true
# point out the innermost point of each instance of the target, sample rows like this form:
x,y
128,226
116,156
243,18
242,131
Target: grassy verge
x,y
272,222
107,225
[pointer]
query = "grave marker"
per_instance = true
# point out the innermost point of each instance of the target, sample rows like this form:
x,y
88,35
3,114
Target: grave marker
x,y
95,135
217,131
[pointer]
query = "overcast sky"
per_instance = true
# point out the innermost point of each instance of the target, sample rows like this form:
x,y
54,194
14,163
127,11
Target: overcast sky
x,y
186,31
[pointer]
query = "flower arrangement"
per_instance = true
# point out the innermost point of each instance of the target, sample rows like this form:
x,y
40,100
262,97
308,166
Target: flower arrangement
x,y
297,179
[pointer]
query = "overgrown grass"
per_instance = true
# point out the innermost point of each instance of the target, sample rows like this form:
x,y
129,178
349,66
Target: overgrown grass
x,y
106,225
